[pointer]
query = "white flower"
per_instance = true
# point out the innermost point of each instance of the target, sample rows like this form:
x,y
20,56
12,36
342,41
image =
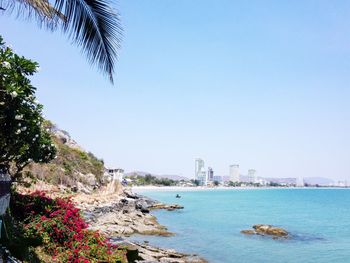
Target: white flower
x,y
24,128
19,117
18,131
36,135
13,94
6,64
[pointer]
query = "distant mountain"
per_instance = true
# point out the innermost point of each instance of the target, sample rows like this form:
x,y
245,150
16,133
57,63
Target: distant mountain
x,y
173,177
308,180
318,180
281,180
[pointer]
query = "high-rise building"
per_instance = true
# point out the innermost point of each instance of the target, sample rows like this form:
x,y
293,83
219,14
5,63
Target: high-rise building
x,y
300,181
234,173
199,165
199,172
252,176
210,174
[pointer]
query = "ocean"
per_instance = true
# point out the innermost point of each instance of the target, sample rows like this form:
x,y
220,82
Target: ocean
x,y
210,224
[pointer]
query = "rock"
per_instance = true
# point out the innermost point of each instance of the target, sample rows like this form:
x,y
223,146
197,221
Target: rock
x,y
267,230
83,188
147,252
127,214
165,206
130,195
132,252
270,230
248,232
142,206
90,179
66,139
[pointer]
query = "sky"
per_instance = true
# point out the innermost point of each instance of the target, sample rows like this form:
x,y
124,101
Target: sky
x,y
262,84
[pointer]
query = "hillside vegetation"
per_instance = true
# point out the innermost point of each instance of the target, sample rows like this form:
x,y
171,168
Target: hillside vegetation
x,y
71,166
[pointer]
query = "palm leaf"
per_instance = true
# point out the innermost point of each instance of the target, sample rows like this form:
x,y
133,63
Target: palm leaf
x,y
92,24
95,26
42,10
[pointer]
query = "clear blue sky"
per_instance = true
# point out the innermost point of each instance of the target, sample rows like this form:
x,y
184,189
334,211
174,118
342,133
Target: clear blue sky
x,y
261,83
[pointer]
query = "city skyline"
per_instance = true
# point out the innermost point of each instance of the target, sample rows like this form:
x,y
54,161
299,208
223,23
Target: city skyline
x,y
206,175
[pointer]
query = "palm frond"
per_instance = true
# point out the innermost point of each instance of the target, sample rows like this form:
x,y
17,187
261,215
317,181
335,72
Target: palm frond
x,y
92,24
42,10
95,26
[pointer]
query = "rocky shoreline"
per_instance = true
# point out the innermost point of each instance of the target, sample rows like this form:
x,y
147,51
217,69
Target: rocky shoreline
x,y
124,214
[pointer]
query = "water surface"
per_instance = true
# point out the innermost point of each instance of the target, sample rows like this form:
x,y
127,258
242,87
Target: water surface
x,y
210,224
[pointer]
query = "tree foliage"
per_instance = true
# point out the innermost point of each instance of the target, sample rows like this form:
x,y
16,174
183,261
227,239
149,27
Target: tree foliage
x,y
149,179
23,138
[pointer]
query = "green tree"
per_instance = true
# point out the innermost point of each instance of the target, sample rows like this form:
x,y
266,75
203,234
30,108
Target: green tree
x,y
23,138
195,182
92,24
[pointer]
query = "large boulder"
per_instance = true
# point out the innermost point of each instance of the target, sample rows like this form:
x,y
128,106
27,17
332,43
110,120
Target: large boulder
x,y
270,230
267,230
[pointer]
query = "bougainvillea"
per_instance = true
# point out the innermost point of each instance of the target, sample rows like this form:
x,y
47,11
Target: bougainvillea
x,y
57,226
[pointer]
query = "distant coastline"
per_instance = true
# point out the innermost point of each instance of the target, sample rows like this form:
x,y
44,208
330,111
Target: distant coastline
x,y
137,189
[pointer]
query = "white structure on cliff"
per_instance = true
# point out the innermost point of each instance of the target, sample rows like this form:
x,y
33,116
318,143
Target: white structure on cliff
x,y
234,173
114,174
200,173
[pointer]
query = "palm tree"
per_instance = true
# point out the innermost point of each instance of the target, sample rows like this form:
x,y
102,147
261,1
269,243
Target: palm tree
x,y
92,24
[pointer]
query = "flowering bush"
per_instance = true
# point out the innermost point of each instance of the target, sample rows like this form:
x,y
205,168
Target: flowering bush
x,y
57,226
23,138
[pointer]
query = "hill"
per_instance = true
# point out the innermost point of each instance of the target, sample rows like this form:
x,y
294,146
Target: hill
x,y
72,167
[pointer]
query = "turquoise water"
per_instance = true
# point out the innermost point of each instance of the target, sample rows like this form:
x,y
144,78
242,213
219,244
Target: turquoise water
x,y
210,224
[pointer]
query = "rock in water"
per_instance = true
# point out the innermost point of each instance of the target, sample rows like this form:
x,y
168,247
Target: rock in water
x,y
164,206
248,232
274,232
270,230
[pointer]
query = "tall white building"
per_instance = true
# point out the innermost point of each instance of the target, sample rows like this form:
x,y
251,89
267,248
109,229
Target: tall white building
x,y
199,165
252,176
300,181
234,173
200,173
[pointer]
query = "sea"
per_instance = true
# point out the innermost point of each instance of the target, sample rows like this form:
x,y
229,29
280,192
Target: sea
x,y
211,221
